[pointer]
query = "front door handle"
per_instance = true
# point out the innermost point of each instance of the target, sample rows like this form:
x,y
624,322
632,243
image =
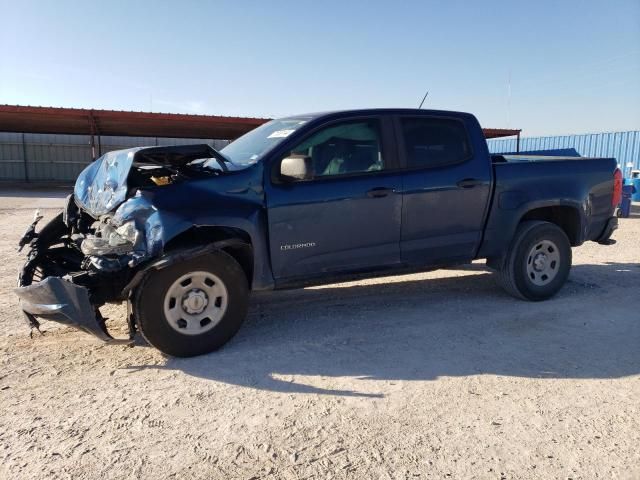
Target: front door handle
x,y
469,183
379,192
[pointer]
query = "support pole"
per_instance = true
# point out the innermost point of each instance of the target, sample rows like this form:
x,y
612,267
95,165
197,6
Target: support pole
x,y
518,144
93,147
24,159
93,129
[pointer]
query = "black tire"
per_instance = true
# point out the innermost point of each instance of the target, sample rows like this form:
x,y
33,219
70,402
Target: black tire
x,y
513,274
149,306
41,261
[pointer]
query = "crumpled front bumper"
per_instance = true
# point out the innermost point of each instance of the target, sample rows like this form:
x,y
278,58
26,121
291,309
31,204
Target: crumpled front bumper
x,y
61,301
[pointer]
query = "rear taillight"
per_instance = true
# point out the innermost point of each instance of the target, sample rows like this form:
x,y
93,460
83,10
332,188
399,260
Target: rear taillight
x,y
617,188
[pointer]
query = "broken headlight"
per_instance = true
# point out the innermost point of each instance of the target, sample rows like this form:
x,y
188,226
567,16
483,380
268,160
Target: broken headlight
x,y
110,240
127,231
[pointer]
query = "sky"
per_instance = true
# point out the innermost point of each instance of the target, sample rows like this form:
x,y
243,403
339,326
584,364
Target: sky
x,y
548,67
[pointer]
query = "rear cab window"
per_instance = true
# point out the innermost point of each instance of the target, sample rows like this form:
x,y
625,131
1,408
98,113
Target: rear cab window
x,y
431,142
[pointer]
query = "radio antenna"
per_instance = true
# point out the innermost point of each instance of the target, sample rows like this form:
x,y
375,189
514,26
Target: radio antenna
x,y
423,99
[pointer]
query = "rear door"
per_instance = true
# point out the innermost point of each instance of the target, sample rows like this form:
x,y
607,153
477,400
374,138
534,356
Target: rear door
x,y
447,185
347,218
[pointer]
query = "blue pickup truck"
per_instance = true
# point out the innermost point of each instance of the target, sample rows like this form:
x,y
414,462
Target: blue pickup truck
x,y
184,233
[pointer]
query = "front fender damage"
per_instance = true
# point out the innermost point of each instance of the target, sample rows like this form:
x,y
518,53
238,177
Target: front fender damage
x,y
131,236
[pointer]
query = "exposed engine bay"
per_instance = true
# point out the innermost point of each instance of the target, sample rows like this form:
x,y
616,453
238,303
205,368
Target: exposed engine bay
x,y
95,251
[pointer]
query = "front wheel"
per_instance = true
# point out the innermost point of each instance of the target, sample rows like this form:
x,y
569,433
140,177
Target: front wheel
x,y
537,263
194,307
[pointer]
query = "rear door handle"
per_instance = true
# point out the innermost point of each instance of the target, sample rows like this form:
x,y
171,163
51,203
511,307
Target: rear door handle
x,y
469,183
379,192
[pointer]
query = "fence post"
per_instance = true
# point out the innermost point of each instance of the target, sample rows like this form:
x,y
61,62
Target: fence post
x,y
24,159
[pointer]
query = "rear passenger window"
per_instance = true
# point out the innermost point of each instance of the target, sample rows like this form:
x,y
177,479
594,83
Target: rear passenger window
x,y
434,142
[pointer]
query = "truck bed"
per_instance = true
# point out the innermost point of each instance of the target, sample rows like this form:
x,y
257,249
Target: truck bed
x,y
571,185
519,158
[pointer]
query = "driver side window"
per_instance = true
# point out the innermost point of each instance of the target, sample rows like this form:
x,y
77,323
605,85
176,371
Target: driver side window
x,y
343,149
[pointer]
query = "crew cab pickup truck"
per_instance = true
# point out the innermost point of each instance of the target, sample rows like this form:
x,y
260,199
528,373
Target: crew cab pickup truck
x,y
184,233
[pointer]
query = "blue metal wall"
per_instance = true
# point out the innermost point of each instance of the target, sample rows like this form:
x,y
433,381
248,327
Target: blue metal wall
x,y
623,146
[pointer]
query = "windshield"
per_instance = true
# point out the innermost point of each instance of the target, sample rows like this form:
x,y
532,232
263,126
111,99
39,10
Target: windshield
x,y
250,147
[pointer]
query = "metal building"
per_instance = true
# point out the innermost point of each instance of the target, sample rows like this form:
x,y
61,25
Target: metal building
x,y
51,144
45,157
623,146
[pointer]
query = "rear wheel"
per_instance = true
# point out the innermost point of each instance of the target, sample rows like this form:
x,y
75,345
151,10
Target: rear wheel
x,y
193,307
537,263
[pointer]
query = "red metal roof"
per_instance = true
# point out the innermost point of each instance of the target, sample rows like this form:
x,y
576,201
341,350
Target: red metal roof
x,y
18,118
500,132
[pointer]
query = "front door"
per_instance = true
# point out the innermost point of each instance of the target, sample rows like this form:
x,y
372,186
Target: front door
x,y
347,217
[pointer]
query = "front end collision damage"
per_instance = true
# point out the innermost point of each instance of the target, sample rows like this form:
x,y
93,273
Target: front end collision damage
x,y
133,234
70,292
82,260
61,301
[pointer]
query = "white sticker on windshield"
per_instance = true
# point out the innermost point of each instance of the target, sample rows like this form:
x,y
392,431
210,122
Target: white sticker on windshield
x,y
281,133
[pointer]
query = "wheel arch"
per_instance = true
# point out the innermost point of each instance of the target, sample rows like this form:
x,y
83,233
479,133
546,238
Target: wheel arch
x,y
567,217
201,235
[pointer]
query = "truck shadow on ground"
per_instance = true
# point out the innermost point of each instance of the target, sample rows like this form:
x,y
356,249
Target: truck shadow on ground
x,y
308,341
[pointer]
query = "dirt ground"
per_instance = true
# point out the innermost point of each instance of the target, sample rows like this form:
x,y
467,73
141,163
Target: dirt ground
x,y
435,375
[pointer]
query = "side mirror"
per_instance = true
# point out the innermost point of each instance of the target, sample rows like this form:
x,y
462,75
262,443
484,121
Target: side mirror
x,y
296,167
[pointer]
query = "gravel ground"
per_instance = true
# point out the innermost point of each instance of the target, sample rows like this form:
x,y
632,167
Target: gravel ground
x,y
434,375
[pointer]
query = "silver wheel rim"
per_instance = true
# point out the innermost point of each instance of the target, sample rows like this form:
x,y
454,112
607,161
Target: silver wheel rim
x,y
543,262
195,303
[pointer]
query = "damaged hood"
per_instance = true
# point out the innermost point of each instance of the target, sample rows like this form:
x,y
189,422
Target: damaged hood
x,y
102,186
